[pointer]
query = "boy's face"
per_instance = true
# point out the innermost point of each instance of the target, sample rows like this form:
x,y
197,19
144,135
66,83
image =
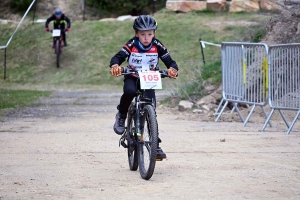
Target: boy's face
x,y
145,37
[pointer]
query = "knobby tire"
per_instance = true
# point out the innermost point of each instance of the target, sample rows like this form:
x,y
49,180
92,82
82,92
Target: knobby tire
x,y
147,146
57,51
131,140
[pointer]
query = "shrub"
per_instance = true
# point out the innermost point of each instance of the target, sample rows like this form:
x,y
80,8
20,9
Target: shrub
x,y
118,7
20,5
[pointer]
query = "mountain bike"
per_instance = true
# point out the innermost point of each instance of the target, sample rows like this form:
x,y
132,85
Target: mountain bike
x,y
141,134
58,43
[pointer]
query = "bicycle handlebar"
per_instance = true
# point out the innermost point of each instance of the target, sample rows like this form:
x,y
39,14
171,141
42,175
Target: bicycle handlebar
x,y
51,30
163,73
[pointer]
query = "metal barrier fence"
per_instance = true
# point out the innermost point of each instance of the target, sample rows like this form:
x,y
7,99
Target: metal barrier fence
x,y
284,81
255,74
244,76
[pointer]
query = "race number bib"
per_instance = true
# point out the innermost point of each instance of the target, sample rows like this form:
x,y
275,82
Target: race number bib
x,y
150,80
56,33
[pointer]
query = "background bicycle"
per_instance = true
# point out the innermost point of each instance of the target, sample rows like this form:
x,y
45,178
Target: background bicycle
x,y
58,43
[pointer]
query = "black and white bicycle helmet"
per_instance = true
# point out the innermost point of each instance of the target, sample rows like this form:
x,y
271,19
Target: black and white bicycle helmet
x,y
58,13
144,22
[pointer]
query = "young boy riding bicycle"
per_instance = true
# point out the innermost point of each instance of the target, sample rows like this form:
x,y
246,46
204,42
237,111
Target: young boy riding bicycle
x,y
60,20
143,50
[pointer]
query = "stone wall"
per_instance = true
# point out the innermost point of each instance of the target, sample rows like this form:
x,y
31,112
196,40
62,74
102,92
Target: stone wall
x,y
223,5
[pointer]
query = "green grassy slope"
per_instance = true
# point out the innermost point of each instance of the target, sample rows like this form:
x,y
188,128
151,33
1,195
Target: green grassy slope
x,y
85,62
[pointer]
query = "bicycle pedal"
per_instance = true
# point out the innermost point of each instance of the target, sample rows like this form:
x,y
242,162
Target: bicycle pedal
x,y
122,140
124,144
159,159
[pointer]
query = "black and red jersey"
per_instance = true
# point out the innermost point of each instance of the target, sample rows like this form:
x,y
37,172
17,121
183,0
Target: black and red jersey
x,y
143,60
59,23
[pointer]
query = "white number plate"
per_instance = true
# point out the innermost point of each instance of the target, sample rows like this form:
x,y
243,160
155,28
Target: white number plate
x,y
55,33
150,80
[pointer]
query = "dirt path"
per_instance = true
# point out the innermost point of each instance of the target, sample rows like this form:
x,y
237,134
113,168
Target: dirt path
x,y
71,8
63,147
65,5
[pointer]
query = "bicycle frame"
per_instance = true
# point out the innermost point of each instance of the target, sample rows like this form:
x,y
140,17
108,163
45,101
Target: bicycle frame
x,y
139,102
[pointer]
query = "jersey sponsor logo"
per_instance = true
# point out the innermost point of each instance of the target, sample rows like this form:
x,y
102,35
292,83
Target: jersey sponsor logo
x,y
152,60
136,55
159,44
130,44
137,61
165,55
124,50
141,61
152,67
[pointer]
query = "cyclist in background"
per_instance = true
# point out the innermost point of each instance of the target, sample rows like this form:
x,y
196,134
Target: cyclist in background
x,y
141,50
59,21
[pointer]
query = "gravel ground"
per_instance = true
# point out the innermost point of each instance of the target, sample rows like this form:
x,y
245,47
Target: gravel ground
x,y
63,147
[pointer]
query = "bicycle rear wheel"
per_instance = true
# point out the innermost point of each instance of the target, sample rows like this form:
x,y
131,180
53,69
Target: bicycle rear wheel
x,y
131,140
147,146
57,51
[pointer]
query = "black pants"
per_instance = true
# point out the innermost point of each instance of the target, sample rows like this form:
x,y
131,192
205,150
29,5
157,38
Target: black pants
x,y
131,85
64,37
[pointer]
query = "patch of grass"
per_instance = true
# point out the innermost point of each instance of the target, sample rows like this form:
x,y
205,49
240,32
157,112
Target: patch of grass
x,y
260,32
19,98
212,72
206,11
85,62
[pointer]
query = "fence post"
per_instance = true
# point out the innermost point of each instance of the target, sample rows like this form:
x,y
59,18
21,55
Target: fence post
x,y
4,63
153,6
203,59
34,10
83,9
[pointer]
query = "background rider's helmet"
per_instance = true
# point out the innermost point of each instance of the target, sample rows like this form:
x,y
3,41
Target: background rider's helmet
x,y
58,13
144,22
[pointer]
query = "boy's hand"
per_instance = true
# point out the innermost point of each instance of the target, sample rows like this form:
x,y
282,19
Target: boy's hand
x,y
172,73
116,70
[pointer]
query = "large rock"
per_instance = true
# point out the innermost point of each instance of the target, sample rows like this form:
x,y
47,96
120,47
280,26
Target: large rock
x,y
185,105
225,5
185,6
108,19
124,17
269,5
210,102
217,5
244,5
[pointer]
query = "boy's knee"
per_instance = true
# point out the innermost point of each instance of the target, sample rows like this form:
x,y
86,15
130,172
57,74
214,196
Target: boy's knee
x,y
130,93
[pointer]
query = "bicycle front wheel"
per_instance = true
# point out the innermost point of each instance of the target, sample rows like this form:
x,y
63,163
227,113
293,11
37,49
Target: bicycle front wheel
x,y
131,140
57,51
147,146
